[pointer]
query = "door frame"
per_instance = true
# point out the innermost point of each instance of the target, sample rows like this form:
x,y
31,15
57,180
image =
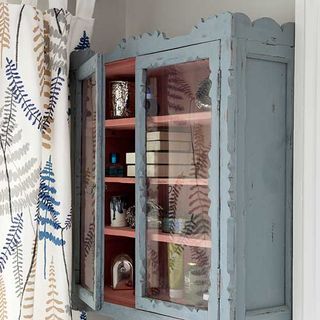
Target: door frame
x,y
306,206
86,67
207,50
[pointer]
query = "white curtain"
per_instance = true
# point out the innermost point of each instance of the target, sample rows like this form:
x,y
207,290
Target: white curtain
x,y
35,176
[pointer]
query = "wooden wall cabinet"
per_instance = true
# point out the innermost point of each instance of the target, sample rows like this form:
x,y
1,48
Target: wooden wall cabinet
x,y
210,173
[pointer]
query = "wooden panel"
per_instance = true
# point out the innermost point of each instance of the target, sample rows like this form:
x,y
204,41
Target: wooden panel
x,y
120,312
120,69
277,313
214,28
182,182
265,184
182,240
121,297
120,124
119,232
174,119
164,181
202,117
122,180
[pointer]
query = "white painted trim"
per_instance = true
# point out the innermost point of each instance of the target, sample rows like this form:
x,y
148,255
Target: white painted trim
x,y
306,255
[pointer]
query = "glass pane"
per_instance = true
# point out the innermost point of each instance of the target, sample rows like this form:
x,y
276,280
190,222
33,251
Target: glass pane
x,y
88,183
178,142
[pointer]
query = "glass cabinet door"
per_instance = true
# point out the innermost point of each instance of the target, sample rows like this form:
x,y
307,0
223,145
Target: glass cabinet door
x,y
88,182
178,181
88,138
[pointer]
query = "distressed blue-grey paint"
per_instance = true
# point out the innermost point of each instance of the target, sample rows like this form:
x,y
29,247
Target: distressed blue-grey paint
x,y
220,26
118,312
94,66
280,226
265,183
241,40
209,51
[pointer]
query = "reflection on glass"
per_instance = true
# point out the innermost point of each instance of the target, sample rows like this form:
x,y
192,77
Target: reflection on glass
x,y
88,183
178,142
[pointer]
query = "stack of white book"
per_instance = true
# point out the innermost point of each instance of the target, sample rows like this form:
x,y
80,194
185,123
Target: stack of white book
x,y
169,154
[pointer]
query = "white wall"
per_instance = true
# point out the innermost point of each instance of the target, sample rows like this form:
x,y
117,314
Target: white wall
x,y
179,16
110,24
117,19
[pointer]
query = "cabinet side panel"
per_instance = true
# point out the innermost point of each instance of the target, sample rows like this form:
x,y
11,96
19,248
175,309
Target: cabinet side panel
x,y
265,183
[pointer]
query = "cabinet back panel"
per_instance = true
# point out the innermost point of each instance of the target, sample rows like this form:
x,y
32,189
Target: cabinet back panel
x,y
265,184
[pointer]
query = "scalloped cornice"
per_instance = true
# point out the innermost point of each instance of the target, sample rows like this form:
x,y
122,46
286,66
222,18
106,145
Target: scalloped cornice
x,y
265,30
206,30
220,26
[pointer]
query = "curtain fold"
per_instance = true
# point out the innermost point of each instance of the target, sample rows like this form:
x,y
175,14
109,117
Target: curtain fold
x,y
35,174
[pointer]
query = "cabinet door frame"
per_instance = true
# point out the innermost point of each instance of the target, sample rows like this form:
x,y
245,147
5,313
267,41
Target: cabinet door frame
x,y
211,51
81,295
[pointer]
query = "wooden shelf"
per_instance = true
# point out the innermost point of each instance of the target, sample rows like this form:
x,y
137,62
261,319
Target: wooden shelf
x,y
119,232
160,237
164,296
198,117
129,123
121,68
177,181
123,180
120,297
178,239
120,124
160,181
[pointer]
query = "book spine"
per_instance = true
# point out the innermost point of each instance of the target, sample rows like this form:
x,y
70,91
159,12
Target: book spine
x,y
169,146
169,136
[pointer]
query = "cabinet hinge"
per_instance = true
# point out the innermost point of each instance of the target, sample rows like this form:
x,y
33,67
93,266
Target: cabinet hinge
x,y
219,89
218,283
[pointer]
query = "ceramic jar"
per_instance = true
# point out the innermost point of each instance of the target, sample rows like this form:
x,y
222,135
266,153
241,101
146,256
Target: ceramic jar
x,y
118,211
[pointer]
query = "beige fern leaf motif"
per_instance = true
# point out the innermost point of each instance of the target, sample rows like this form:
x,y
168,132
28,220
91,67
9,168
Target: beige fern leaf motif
x,y
47,49
4,29
54,305
38,40
3,300
46,133
27,302
57,23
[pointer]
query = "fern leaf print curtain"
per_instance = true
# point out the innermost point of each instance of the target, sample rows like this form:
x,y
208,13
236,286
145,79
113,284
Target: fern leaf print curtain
x,y
35,175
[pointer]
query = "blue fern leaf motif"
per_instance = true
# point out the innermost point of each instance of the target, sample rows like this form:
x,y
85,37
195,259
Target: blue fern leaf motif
x,y
20,96
12,240
47,215
45,235
84,42
49,221
68,222
55,89
83,315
